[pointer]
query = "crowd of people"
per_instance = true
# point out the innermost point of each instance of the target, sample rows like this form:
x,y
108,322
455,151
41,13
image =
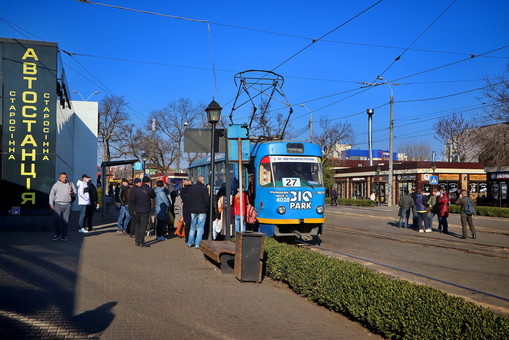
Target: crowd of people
x,y
143,208
423,207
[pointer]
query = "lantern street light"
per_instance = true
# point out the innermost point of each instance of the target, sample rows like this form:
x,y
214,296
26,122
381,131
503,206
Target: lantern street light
x,y
213,115
144,158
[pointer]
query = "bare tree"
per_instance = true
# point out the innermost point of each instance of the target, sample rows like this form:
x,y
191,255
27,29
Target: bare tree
x,y
269,124
113,120
172,121
454,132
497,93
332,134
159,150
493,140
416,151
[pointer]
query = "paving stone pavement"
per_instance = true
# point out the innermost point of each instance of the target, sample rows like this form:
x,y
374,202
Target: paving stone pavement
x,y
100,286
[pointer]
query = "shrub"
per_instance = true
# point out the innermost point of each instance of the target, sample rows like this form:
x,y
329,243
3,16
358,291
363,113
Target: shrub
x,y
483,211
353,201
394,308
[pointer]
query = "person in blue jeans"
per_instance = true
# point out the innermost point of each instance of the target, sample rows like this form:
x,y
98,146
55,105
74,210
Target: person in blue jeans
x,y
406,202
123,217
199,200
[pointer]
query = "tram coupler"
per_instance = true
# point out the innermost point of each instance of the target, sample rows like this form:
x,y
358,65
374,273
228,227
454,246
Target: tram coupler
x,y
303,236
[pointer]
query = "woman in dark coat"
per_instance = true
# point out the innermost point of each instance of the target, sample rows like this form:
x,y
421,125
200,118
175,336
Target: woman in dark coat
x,y
186,214
443,212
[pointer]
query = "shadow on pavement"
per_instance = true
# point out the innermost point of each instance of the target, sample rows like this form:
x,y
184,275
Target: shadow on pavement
x,y
38,280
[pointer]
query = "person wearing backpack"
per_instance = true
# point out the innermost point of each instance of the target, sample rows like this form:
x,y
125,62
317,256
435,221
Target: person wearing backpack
x,y
467,210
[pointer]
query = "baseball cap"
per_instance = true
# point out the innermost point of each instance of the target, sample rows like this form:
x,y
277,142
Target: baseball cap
x,y
137,180
146,179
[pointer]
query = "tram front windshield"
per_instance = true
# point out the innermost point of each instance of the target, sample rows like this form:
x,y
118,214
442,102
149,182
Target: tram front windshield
x,y
290,171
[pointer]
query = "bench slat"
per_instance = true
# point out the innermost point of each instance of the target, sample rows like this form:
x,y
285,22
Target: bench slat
x,y
214,249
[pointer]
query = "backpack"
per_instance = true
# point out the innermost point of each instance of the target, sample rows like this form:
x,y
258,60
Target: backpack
x,y
251,214
469,208
425,201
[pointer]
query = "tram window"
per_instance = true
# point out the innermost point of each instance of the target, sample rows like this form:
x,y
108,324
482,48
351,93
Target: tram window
x,y
305,174
265,175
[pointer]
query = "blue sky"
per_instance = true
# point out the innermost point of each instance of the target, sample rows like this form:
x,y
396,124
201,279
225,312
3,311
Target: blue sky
x,y
171,58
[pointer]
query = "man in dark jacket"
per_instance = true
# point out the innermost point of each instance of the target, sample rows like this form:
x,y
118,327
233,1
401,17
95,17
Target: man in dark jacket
x,y
94,204
199,201
123,216
140,205
406,204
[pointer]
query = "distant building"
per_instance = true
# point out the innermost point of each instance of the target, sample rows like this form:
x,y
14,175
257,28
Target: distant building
x,y
465,147
378,155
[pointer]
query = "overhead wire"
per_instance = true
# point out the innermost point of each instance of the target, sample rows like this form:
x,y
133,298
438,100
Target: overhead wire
x,y
276,33
326,34
418,37
408,48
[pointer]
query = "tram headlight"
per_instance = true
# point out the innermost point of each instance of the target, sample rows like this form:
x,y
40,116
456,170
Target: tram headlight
x,y
281,210
319,209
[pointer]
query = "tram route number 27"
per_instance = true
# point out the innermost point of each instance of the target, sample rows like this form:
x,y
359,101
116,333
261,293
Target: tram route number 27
x,y
300,199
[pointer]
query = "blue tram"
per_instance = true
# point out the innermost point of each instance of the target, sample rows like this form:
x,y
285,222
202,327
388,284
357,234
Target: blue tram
x,y
285,185
288,190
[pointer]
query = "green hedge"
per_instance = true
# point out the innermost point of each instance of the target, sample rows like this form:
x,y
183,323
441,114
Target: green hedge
x,y
393,308
483,211
351,201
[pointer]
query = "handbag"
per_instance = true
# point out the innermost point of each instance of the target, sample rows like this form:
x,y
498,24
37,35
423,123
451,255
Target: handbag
x,y
71,192
180,231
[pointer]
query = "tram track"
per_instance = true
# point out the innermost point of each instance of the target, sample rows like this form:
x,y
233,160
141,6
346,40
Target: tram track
x,y
328,252
479,225
464,268
427,240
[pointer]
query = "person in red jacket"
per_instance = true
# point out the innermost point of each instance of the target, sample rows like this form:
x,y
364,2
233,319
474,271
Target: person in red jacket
x,y
443,212
240,210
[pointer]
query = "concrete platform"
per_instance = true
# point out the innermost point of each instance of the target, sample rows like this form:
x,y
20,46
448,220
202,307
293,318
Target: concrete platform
x,y
100,285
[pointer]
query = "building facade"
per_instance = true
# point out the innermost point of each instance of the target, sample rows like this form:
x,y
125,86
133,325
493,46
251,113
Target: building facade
x,y
42,132
360,180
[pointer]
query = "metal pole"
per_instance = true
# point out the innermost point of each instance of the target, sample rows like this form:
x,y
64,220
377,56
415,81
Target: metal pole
x,y
391,137
227,209
310,127
310,122
242,212
370,135
211,181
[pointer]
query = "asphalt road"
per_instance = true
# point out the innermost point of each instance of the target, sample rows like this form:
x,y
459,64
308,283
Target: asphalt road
x,y
476,269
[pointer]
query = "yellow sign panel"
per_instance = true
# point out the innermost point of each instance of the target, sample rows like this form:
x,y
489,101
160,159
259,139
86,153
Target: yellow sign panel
x,y
477,177
448,177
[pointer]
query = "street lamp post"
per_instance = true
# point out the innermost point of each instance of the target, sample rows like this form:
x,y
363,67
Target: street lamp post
x,y
310,122
213,115
90,96
370,113
144,158
391,137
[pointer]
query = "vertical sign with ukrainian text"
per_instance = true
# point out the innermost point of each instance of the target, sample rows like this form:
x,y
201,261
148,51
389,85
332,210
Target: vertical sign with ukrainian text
x,y
29,126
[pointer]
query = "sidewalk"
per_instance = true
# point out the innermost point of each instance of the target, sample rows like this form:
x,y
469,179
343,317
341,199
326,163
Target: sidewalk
x,y
99,285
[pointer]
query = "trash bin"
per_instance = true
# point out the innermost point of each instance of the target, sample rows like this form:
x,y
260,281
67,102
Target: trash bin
x,y
249,247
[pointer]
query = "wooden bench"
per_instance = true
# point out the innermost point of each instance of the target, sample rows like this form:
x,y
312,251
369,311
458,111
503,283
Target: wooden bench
x,y
222,252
